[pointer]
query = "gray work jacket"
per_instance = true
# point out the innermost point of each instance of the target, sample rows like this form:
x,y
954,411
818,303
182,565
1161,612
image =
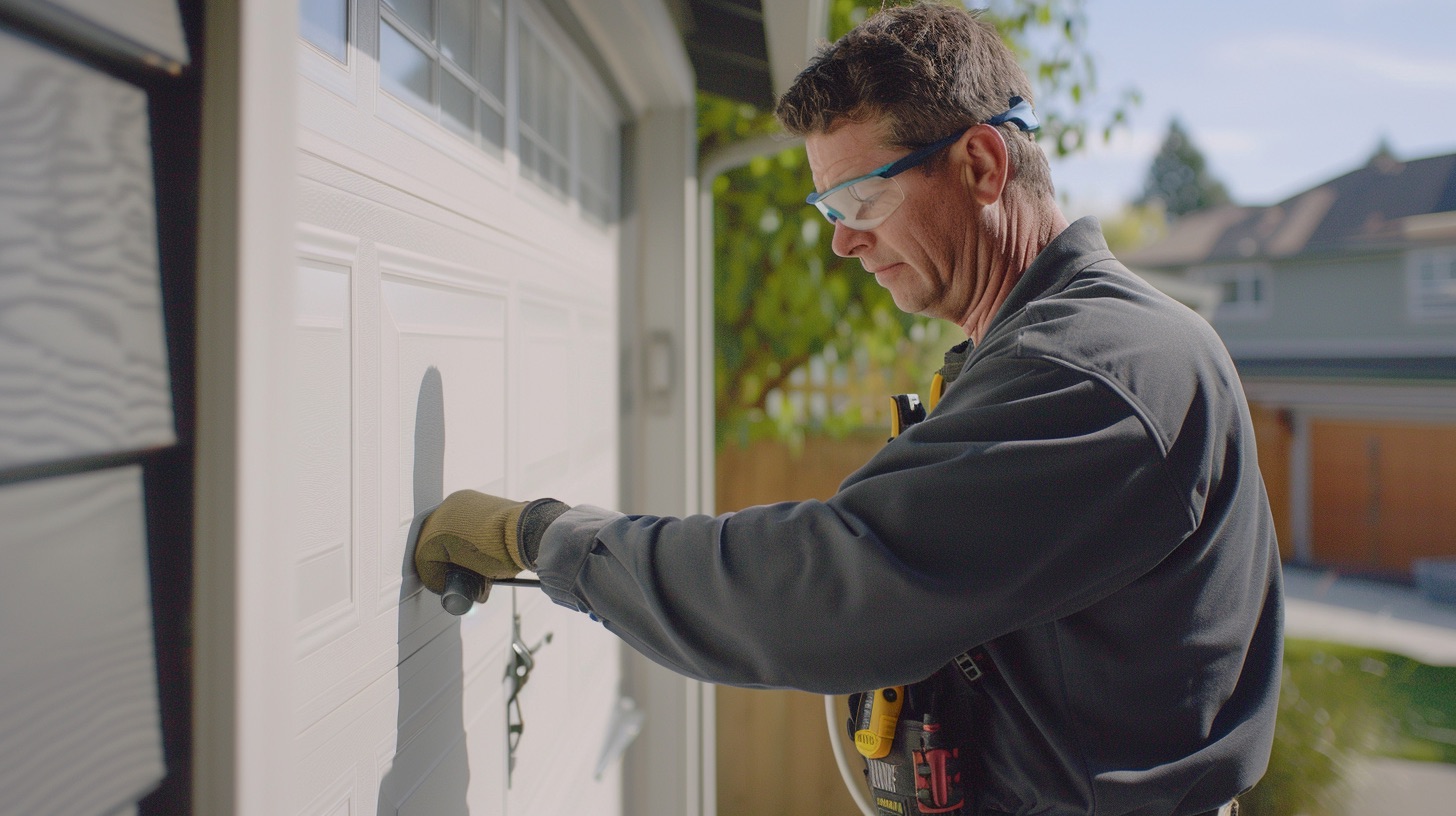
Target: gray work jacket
x,y
1085,501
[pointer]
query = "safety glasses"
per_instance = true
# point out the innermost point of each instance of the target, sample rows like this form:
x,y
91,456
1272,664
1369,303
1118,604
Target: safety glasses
x,y
865,202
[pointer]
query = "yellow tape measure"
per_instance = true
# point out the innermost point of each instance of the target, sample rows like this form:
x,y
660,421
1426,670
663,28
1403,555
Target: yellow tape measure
x,y
879,712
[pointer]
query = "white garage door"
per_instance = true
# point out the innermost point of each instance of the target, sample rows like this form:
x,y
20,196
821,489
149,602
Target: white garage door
x,y
456,302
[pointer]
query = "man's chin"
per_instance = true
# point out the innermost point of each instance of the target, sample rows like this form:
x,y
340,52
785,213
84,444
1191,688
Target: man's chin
x,y
905,303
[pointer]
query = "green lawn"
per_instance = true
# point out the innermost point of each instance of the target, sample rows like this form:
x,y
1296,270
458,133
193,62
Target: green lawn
x,y
1416,702
1338,703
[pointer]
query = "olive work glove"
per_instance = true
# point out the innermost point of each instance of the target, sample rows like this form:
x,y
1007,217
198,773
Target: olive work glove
x,y
488,535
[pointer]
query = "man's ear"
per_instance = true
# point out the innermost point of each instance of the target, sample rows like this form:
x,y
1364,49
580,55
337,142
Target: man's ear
x,y
985,163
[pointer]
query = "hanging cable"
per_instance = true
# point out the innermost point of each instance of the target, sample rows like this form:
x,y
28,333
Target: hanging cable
x,y
856,789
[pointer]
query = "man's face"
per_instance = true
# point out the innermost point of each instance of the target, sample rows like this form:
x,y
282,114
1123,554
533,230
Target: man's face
x,y
924,252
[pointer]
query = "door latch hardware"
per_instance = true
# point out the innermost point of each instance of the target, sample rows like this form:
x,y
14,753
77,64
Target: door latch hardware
x,y
523,660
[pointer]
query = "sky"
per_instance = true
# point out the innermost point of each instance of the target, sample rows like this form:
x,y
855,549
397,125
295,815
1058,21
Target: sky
x,y
1278,95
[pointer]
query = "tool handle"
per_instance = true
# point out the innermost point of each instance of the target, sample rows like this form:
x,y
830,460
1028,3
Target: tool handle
x,y
462,587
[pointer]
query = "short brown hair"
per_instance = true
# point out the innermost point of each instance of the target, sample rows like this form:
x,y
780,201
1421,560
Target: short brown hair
x,y
928,70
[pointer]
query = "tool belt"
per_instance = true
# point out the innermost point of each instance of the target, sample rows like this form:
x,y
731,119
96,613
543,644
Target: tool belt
x,y
915,740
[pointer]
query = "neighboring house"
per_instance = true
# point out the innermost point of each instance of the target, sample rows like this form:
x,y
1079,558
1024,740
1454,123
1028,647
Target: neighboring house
x,y
277,275
1339,308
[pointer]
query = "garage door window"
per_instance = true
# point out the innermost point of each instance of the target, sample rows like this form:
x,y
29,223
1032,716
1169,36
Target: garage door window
x,y
568,144
599,165
545,114
446,59
455,63
325,24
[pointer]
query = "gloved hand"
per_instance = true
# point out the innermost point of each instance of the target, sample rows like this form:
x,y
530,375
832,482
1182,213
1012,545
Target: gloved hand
x,y
488,535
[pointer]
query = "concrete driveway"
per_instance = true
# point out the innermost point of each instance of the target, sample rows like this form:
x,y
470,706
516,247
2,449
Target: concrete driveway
x,y
1328,606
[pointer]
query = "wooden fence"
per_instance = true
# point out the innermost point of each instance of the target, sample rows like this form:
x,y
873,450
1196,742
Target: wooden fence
x,y
774,754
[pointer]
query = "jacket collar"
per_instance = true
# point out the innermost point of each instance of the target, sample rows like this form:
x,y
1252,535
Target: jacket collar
x,y
1074,249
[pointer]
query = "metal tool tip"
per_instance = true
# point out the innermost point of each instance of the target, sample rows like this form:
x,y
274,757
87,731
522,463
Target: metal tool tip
x,y
456,603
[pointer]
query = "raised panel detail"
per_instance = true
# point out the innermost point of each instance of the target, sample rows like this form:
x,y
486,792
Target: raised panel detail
x,y
547,367
83,364
82,733
323,399
594,431
444,420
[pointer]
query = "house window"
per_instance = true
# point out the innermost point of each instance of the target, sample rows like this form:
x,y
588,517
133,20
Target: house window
x,y
1244,290
446,59
1431,284
325,24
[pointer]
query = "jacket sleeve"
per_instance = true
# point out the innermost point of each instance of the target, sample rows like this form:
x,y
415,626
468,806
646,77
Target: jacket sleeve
x,y
1031,492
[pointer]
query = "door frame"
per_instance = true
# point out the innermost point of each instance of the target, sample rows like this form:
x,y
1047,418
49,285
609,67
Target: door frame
x,y
243,580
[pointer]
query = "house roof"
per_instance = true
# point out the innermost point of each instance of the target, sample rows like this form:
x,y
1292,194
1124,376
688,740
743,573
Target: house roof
x,y
750,50
728,47
1386,203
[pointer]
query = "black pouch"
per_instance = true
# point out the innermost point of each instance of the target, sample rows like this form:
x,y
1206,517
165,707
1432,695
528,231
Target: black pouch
x,y
924,771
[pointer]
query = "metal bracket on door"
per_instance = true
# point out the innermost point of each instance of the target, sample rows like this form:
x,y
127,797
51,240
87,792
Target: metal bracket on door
x,y
523,660
625,725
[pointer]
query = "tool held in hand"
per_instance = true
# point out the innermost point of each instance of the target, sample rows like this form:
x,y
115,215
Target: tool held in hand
x,y
462,587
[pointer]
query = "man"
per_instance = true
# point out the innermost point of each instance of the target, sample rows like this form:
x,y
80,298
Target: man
x,y
1083,508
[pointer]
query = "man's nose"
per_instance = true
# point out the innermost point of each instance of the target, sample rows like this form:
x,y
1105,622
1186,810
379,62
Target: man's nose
x,y
849,242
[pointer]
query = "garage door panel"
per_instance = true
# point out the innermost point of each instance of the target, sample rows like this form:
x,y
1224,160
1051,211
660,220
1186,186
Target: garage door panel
x,y
474,345
546,405
566,707
445,354
594,431
436,768
323,398
337,756
406,731
471,771
339,798
1381,493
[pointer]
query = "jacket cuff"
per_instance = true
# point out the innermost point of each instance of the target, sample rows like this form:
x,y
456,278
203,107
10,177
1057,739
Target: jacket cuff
x,y
564,550
535,518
